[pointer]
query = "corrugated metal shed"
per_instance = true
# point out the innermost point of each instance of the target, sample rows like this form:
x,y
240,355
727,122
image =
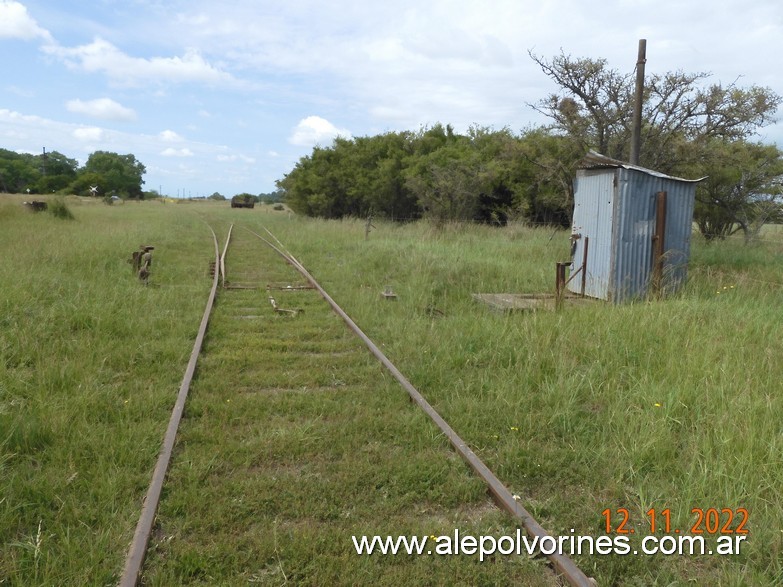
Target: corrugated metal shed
x,y
615,206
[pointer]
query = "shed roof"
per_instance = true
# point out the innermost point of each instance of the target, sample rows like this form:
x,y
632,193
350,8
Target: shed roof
x,y
595,160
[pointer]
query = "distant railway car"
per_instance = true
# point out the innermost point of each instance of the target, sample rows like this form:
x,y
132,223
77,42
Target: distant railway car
x,y
244,201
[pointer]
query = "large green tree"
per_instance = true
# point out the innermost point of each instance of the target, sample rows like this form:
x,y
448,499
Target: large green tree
x,y
57,172
18,171
475,176
688,125
594,106
113,173
547,161
742,190
353,177
447,182
434,172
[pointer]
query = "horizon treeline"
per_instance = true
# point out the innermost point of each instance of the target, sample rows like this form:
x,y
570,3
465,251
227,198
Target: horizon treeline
x,y
110,174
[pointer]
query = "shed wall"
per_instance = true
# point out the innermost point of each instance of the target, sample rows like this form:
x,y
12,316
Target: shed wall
x,y
593,218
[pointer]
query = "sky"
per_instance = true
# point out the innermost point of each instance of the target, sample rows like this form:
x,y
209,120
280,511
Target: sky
x,y
227,97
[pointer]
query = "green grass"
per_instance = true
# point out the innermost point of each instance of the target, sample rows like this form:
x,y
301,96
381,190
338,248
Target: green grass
x,y
90,361
581,386
667,404
305,444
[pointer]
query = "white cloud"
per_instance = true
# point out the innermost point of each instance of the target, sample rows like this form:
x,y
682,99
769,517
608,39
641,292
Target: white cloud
x,y
315,130
21,92
171,152
15,23
372,67
11,116
169,136
91,133
104,108
100,56
230,158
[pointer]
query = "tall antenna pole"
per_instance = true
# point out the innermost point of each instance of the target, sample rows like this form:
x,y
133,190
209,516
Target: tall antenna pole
x,y
636,129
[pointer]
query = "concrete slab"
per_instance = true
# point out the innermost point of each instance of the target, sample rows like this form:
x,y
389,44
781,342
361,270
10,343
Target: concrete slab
x,y
511,302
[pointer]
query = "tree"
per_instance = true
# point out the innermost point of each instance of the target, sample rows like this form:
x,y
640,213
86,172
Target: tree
x,y
53,171
472,177
85,180
272,197
352,177
57,172
547,162
379,163
116,173
594,108
688,126
447,182
313,188
502,174
742,190
436,172
217,196
593,104
17,171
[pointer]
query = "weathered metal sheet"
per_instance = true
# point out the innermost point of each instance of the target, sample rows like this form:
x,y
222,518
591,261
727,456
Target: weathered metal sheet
x,y
614,206
593,219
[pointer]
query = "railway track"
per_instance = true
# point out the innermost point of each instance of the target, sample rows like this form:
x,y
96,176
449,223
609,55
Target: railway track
x,y
276,467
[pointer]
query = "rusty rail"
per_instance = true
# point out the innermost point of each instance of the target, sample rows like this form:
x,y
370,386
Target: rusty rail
x,y
504,498
138,547
223,257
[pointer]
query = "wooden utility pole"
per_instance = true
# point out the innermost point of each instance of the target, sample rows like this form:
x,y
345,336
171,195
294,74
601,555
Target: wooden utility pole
x,y
636,129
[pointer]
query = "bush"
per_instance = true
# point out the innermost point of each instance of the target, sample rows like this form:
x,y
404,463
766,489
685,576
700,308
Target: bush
x,y
59,210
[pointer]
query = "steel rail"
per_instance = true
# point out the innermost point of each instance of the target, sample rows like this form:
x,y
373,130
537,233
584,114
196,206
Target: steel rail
x,y
138,547
223,257
504,498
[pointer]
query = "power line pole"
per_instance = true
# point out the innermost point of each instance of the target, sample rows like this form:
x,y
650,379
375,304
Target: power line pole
x,y
636,129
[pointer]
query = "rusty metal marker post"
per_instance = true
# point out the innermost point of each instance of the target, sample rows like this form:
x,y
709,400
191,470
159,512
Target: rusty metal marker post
x,y
564,565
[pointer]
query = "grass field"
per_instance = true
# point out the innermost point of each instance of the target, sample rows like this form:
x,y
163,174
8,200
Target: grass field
x,y
671,404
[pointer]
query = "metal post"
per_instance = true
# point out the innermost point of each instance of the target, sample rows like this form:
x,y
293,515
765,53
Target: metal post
x,y
560,282
584,266
636,129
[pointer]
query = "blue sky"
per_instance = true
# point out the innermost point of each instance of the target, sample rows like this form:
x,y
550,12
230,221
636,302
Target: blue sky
x,y
227,97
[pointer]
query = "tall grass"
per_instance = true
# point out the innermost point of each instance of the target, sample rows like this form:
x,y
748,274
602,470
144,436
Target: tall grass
x,y
59,209
89,363
662,404
293,442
